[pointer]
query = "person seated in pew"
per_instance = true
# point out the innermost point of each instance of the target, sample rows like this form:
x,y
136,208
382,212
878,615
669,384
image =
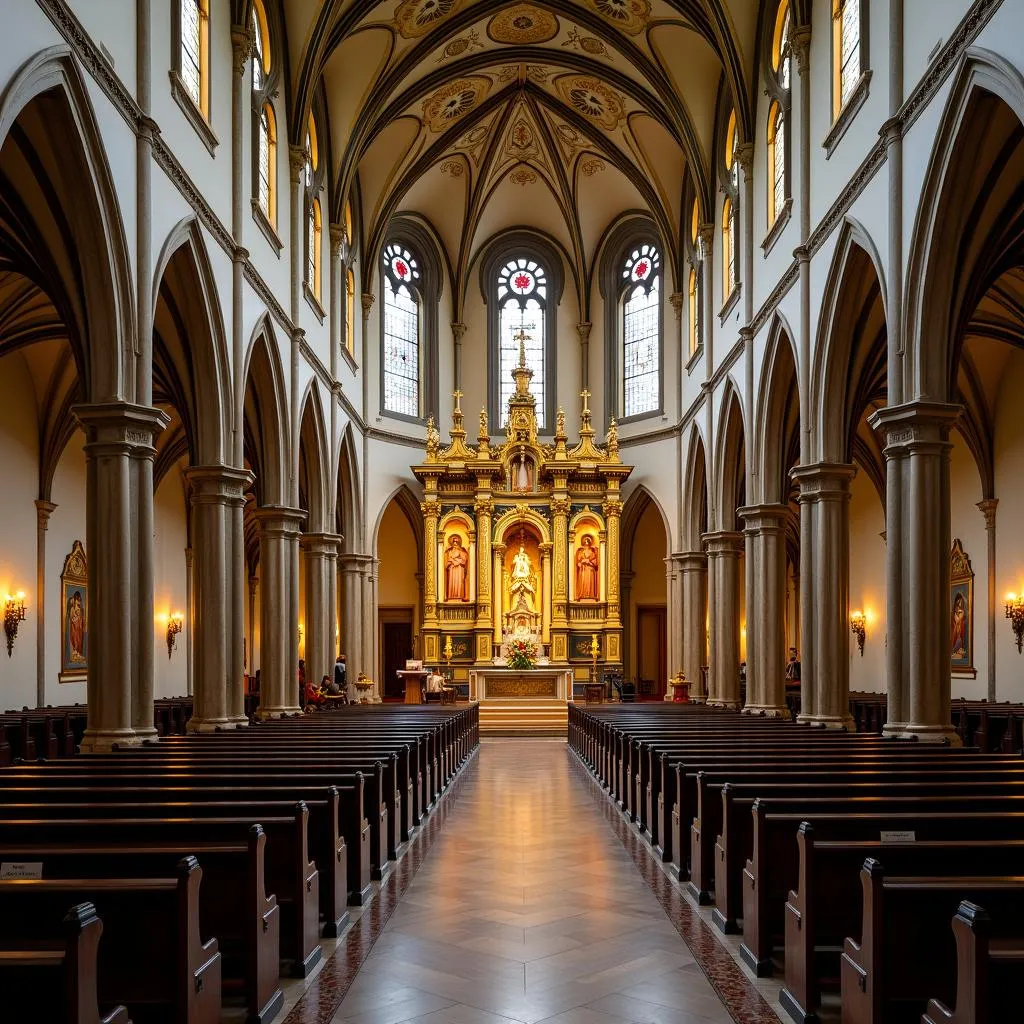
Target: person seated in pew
x,y
330,687
314,696
793,669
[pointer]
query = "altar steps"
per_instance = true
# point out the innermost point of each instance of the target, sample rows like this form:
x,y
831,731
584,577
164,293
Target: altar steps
x,y
523,716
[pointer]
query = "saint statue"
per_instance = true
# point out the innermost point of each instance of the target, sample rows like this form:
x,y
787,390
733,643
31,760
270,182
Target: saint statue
x,y
588,587
521,589
456,570
522,475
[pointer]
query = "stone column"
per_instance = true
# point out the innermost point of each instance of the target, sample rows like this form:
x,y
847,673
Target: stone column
x,y
988,510
320,552
706,234
545,573
236,575
214,490
498,576
352,615
118,451
333,627
190,619
371,656
279,530
693,570
44,509
825,598
765,528
583,329
251,648
458,331
673,615
917,441
724,548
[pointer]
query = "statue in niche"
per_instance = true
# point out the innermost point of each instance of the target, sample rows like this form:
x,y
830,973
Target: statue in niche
x,y
456,570
522,591
588,563
522,474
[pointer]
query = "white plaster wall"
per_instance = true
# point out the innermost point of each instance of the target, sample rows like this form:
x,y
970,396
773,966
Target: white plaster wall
x,y
170,538
867,584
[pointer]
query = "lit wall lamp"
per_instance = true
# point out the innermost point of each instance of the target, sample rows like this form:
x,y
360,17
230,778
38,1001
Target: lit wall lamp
x,y
175,621
14,613
858,626
1014,612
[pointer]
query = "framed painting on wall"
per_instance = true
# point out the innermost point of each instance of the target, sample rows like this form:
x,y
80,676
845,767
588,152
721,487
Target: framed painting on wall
x,y
74,616
961,613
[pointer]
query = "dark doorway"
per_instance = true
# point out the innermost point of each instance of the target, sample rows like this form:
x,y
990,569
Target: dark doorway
x,y
396,646
651,650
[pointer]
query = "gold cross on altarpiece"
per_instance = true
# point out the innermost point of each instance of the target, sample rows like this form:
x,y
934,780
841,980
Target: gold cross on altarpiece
x,y
457,395
585,395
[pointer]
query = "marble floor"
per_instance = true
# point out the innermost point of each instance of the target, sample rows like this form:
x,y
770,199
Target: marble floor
x,y
533,905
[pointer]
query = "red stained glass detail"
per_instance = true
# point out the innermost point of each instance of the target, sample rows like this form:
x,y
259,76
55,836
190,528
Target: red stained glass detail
x,y
522,282
401,269
642,268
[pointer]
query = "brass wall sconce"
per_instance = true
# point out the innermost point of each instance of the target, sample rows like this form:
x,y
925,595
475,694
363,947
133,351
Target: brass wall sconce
x,y
175,622
14,614
1015,613
858,626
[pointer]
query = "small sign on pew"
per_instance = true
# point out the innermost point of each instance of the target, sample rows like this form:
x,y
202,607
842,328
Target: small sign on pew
x,y
12,870
898,836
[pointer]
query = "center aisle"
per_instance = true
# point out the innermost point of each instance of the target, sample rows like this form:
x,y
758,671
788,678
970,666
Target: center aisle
x,y
528,908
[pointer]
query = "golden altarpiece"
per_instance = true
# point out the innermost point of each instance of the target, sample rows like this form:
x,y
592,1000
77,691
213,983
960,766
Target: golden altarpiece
x,y
521,541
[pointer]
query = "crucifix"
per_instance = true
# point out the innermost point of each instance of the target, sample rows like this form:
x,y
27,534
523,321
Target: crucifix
x,y
585,395
457,395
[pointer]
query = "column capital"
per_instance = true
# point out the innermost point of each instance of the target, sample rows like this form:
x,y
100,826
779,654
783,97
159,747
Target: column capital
x,y
296,163
801,43
458,329
44,509
242,43
350,562
692,561
745,156
218,485
320,543
915,426
367,301
120,427
676,298
987,508
824,480
279,520
765,518
337,233
706,236
583,329
723,542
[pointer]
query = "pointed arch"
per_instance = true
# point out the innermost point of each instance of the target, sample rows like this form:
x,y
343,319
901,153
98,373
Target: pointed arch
x,y
959,212
776,438
266,435
410,507
729,468
190,342
348,508
850,339
640,499
314,478
93,273
695,493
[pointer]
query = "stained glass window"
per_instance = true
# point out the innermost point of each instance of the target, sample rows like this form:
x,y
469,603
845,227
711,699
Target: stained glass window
x,y
267,195
261,49
694,304
845,50
641,331
776,161
401,331
728,249
194,50
350,311
782,45
314,240
522,305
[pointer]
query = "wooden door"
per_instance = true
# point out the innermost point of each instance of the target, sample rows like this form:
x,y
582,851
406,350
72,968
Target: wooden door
x,y
396,648
651,652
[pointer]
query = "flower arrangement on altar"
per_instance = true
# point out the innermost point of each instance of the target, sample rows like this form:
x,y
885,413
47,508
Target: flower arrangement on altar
x,y
522,653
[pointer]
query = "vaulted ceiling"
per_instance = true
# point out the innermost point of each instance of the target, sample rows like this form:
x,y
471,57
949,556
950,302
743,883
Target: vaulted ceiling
x,y
480,115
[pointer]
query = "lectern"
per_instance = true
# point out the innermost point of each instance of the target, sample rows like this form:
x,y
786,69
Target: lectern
x,y
414,678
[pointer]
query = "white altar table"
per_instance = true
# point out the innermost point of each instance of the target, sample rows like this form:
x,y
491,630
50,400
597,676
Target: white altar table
x,y
495,682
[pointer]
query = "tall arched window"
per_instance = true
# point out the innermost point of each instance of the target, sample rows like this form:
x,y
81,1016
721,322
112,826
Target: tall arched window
x,y
776,161
263,81
195,52
693,281
777,82
847,52
522,317
314,218
350,311
731,184
693,296
402,394
641,331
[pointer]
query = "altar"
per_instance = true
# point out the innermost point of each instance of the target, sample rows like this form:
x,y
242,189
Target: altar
x,y
521,599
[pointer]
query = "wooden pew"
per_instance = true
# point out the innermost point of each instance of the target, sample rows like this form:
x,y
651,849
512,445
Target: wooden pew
x,y
989,970
826,905
152,959
56,981
906,951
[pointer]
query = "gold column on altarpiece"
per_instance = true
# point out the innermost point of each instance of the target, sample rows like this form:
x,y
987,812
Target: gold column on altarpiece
x,y
431,509
483,508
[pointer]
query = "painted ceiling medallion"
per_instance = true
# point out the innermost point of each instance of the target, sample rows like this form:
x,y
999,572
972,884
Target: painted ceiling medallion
x,y
522,140
415,18
629,15
593,99
457,47
453,167
453,100
534,72
523,176
591,166
588,44
523,24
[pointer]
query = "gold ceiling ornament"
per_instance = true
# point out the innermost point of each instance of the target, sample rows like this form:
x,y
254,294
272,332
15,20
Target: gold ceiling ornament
x,y
592,98
588,44
629,15
453,166
415,18
521,141
453,101
473,141
524,72
457,47
522,176
523,24
592,165
569,139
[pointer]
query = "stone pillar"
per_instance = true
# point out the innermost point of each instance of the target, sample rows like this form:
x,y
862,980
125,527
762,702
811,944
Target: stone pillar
x,y
583,329
917,442
236,575
44,509
706,234
458,331
190,619
765,528
279,688
251,648
673,616
371,655
724,548
119,469
693,570
825,592
320,553
988,510
545,573
352,616
215,490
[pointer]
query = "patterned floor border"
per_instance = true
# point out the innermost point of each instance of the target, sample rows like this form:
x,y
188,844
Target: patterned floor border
x,y
739,996
319,1003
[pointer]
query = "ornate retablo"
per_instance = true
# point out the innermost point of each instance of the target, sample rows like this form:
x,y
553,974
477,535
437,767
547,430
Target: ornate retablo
x,y
522,534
